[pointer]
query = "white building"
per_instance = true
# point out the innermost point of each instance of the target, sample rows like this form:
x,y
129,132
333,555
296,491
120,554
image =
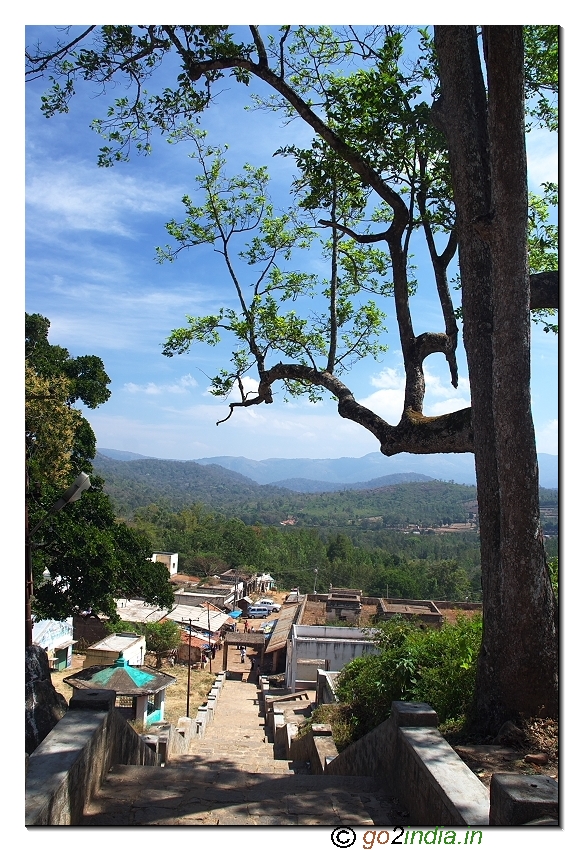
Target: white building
x,y
168,558
131,647
56,637
323,647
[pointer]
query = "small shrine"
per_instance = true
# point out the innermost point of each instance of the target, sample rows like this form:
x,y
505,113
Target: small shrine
x,y
140,691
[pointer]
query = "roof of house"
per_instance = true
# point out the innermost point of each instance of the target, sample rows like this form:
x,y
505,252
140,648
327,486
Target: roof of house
x,y
196,640
122,678
117,642
281,632
200,615
138,611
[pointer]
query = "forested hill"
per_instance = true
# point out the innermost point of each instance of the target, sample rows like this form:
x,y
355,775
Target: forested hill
x,y
136,483
176,485
306,485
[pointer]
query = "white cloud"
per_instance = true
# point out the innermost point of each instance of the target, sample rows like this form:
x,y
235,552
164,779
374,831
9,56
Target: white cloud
x,y
547,438
74,197
258,432
435,387
386,403
440,397
389,379
183,385
448,406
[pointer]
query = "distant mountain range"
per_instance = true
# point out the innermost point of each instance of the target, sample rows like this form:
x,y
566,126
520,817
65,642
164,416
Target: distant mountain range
x,y
308,475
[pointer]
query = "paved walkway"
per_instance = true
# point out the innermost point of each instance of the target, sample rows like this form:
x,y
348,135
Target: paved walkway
x,y
230,777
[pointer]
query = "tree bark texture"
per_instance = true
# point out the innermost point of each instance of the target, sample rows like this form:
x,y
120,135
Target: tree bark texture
x,y
517,668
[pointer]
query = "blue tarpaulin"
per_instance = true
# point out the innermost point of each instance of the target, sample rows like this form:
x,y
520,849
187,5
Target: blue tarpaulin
x,y
236,613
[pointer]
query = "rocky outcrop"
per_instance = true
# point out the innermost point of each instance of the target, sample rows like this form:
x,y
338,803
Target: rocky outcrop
x,y
44,706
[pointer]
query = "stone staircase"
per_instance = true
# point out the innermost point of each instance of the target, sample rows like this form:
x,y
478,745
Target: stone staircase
x,y
230,777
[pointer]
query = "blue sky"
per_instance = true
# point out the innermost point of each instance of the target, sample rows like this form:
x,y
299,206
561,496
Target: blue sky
x,y
90,243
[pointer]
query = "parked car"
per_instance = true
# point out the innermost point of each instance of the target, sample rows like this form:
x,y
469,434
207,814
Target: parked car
x,y
258,612
268,603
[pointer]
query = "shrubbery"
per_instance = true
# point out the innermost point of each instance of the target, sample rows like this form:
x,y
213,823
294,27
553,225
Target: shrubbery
x,y
414,664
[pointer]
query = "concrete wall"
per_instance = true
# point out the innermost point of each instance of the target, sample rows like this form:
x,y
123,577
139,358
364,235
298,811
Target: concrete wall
x,y
334,645
418,766
325,692
70,764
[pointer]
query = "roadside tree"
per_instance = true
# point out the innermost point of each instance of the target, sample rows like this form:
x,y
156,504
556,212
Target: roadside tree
x,y
161,639
85,559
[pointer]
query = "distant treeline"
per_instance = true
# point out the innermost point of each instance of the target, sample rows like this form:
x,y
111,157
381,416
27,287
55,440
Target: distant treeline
x,y
217,519
383,562
136,484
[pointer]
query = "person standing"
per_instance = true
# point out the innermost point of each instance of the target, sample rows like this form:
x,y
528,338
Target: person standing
x,y
243,654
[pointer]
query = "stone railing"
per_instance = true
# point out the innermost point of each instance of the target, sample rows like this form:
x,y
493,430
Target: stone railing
x,y
69,766
417,765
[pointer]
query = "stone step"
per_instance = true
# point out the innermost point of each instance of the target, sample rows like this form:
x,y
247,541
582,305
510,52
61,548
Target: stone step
x,y
247,764
221,793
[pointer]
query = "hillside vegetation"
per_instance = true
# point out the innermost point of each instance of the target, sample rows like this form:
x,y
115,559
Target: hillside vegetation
x,y
179,484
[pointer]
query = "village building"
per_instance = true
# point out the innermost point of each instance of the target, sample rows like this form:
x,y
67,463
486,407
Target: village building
x,y
343,603
311,648
56,638
170,559
423,611
140,691
127,645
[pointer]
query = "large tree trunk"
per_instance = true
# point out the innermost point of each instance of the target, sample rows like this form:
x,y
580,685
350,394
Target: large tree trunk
x,y
517,668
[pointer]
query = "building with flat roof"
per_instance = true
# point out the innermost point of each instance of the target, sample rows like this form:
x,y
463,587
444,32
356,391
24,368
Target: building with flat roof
x,y
126,645
168,558
322,647
422,610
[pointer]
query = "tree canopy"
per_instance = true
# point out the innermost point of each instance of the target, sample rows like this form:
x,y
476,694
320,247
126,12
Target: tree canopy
x,y
83,558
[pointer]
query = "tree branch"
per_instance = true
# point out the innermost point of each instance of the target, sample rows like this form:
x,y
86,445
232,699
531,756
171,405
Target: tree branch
x,y
415,433
41,63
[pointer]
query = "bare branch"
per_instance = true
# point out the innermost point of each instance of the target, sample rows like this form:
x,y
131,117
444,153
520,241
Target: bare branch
x,y
41,63
363,238
261,52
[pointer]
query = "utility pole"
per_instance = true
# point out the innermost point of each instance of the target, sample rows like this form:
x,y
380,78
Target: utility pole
x,y
188,678
208,608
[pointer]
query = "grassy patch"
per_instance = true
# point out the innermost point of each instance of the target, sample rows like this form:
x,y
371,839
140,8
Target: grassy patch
x,y
340,718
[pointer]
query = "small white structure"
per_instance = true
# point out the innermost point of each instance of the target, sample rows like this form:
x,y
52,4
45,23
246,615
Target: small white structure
x,y
265,583
127,645
311,648
56,638
168,558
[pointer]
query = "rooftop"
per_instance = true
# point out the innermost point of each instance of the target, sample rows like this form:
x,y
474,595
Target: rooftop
x,y
122,678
